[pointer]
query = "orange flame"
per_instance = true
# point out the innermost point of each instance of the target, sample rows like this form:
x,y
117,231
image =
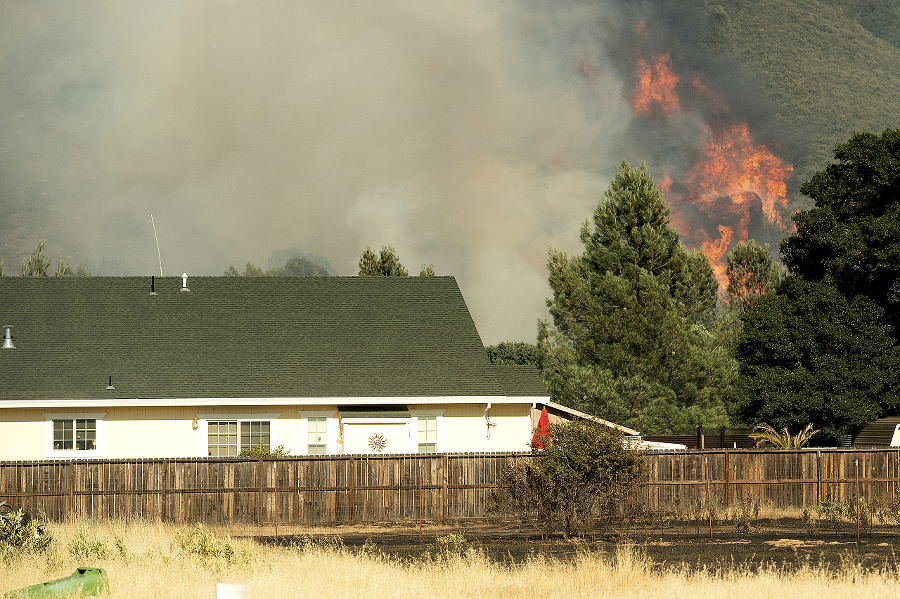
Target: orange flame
x,y
735,167
732,177
665,183
654,94
715,251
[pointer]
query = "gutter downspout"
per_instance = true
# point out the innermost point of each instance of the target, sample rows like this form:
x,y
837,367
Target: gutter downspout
x,y
487,427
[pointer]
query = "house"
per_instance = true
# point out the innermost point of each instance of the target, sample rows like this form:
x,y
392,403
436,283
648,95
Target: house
x,y
884,432
135,367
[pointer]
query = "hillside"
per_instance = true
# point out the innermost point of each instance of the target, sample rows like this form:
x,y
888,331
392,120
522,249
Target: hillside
x,y
826,73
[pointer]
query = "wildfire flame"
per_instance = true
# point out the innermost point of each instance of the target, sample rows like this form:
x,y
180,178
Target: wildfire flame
x,y
655,93
731,176
715,250
733,166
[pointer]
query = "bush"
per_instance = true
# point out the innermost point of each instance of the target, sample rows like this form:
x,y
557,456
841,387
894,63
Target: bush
x,y
582,478
260,452
86,546
18,532
212,551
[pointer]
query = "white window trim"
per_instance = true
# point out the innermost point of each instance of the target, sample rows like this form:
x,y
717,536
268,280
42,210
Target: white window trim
x,y
204,420
73,453
414,429
332,446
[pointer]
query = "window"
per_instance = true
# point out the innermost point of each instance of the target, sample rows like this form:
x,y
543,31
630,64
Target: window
x,y
79,434
222,438
224,441
255,434
427,434
74,435
319,432
316,435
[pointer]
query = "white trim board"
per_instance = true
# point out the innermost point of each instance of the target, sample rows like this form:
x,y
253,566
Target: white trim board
x,y
264,401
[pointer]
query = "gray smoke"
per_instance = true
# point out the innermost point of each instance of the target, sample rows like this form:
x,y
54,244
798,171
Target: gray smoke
x,y
471,135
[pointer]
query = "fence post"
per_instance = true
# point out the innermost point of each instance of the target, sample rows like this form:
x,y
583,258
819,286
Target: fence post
x,y
727,479
260,477
164,509
127,493
275,487
351,495
71,508
444,490
818,477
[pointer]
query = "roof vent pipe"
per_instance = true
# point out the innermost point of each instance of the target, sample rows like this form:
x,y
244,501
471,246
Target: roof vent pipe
x,y
7,340
152,285
184,286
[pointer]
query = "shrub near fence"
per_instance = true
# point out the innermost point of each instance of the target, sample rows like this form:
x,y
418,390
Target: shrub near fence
x,y
350,489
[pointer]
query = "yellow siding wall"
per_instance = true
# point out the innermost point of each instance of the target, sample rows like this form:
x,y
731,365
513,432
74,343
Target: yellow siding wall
x,y
22,435
157,432
513,430
465,428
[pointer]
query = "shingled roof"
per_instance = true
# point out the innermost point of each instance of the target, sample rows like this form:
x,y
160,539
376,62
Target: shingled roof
x,y
240,337
521,380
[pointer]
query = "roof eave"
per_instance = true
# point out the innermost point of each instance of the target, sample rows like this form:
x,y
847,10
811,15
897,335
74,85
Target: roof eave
x,y
263,401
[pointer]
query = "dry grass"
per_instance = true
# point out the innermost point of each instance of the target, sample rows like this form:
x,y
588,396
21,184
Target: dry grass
x,y
147,560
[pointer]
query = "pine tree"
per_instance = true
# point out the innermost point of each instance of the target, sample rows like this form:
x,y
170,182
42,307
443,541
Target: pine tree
x,y
36,265
387,264
632,337
751,273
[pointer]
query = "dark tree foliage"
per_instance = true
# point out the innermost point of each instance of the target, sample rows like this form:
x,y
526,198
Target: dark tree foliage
x,y
823,349
514,352
294,267
583,477
386,263
810,355
631,339
751,273
851,238
301,267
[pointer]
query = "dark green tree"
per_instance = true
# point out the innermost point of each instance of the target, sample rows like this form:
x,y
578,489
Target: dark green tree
x,y
301,267
514,352
751,273
810,355
386,264
851,238
632,338
823,349
294,267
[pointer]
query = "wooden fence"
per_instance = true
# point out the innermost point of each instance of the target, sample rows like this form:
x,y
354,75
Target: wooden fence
x,y
779,479
350,489
288,490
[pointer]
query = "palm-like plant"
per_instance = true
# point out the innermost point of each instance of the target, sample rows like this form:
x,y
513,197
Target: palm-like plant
x,y
765,432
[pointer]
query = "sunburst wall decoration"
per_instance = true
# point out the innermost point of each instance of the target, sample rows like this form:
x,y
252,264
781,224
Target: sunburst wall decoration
x,y
377,442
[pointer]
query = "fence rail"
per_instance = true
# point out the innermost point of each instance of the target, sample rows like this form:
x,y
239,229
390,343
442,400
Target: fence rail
x,y
349,489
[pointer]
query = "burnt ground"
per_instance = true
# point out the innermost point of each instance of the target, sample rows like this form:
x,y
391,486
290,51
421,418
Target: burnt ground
x,y
785,544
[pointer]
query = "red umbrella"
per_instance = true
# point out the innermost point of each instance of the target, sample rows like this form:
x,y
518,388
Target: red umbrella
x,y
542,432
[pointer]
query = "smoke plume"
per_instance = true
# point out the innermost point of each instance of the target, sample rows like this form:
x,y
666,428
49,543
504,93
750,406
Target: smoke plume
x,y
471,135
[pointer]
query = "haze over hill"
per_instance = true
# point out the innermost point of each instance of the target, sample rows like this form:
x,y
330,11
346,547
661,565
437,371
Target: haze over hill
x,y
472,135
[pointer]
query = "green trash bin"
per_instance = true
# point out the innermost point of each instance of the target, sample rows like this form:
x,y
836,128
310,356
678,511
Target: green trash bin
x,y
84,582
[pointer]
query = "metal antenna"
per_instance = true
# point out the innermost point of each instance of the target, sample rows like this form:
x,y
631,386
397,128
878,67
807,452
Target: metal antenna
x,y
157,245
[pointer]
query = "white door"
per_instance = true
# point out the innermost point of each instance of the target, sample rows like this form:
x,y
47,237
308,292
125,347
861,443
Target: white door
x,y
376,437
